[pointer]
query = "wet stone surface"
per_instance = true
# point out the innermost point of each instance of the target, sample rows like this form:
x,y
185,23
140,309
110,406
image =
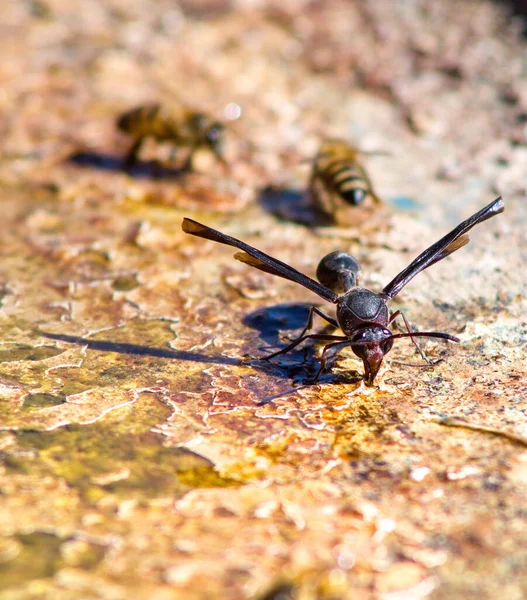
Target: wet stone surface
x,y
145,450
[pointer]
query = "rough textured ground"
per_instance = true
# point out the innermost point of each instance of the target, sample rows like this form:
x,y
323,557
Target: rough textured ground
x,y
137,461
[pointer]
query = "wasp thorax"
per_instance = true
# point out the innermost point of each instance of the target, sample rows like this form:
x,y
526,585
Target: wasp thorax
x,y
338,271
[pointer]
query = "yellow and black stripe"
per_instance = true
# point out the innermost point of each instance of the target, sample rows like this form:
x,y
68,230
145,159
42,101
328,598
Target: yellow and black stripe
x,y
338,178
144,121
178,124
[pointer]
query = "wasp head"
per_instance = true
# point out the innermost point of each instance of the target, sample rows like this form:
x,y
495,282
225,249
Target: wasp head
x,y
370,344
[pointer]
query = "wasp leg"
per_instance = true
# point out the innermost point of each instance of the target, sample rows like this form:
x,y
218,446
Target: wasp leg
x,y
324,359
311,336
398,313
316,311
131,157
312,311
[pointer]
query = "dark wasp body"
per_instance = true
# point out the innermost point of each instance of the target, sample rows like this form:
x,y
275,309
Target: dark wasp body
x,y
362,315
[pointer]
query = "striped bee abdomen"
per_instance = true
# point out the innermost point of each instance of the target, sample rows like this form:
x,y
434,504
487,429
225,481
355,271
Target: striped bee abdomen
x,y
142,121
338,179
348,179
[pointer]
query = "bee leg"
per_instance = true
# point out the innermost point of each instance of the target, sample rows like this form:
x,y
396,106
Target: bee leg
x,y
187,165
322,200
224,164
173,154
131,157
407,324
374,197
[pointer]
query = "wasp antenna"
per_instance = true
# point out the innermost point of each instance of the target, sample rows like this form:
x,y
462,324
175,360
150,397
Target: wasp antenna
x,y
432,334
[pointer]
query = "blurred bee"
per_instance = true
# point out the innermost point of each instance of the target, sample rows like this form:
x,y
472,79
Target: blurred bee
x,y
180,125
338,179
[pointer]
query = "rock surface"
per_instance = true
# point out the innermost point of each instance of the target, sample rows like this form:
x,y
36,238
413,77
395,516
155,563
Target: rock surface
x,y
138,456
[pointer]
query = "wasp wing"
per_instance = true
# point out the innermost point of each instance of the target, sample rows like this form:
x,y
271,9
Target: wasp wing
x,y
448,244
257,263
258,259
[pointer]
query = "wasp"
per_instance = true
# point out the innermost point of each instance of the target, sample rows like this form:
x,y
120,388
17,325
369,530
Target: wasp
x,y
338,179
180,125
362,315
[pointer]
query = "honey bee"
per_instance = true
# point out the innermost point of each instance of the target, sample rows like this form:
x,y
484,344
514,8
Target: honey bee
x,y
180,125
338,179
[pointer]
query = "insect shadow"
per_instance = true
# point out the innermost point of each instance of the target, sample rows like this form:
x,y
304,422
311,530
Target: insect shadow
x,y
138,349
280,323
141,169
289,205
278,370
271,320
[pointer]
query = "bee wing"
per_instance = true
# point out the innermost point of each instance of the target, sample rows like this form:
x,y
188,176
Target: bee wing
x,y
375,198
258,259
448,244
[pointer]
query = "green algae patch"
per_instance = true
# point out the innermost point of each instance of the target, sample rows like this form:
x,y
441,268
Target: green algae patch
x,y
125,283
205,477
19,352
40,400
117,455
41,554
35,555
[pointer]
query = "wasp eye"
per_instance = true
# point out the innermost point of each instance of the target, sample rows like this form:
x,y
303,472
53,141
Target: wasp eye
x,y
387,346
360,351
372,340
